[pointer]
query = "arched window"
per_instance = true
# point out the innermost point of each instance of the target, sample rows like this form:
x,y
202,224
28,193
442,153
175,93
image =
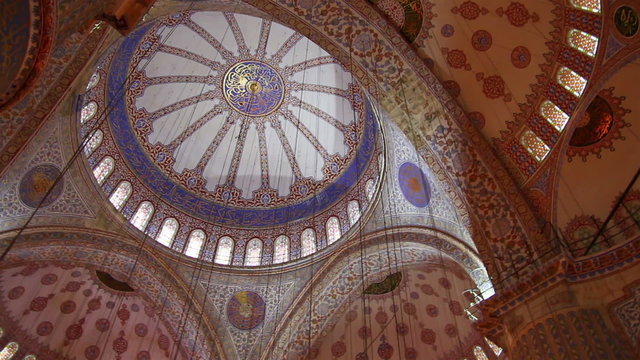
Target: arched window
x,y
534,145
554,115
253,254
9,350
121,194
583,42
94,141
308,240
93,81
88,111
571,81
224,251
167,232
281,249
353,210
333,230
104,169
141,217
479,353
30,357
195,242
588,5
370,188
496,349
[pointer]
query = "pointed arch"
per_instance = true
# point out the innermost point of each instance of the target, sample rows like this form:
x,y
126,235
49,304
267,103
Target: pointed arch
x,y
143,214
333,230
121,194
308,240
104,169
353,211
94,141
88,111
168,231
253,253
9,351
224,251
195,243
534,145
582,41
370,188
281,249
571,81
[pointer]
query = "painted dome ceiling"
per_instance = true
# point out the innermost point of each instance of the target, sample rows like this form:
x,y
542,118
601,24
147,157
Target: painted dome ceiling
x,y
232,120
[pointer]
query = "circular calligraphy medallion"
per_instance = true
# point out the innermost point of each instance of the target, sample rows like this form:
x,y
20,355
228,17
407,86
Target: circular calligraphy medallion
x,y
36,183
414,185
626,20
245,310
253,88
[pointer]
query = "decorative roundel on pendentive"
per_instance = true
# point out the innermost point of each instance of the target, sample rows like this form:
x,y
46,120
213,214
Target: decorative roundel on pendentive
x,y
626,20
35,184
253,88
414,184
245,310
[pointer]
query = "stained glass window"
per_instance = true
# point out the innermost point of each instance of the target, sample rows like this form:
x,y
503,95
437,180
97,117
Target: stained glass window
x,y
308,240
142,216
479,353
588,5
224,251
353,210
167,232
94,141
120,195
370,188
253,254
496,349
333,230
571,81
9,350
88,111
1,332
534,145
93,81
195,242
281,250
104,169
583,42
554,115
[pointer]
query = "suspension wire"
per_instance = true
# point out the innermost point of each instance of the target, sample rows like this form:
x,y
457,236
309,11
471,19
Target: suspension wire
x,y
362,252
278,178
147,228
97,122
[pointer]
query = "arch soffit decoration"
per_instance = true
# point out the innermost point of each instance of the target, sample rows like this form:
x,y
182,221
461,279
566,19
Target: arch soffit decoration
x,y
154,281
340,277
387,70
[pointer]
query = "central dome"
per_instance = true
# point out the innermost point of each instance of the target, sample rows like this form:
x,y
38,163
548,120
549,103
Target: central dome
x,y
282,125
235,128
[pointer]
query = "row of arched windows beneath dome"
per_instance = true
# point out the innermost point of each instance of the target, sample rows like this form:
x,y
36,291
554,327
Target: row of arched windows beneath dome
x,y
226,247
536,144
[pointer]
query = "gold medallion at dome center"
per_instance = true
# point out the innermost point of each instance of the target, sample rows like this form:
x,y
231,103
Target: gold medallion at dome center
x,y
253,88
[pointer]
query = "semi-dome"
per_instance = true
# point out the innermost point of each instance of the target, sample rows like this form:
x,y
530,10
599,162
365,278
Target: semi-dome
x,y
231,131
